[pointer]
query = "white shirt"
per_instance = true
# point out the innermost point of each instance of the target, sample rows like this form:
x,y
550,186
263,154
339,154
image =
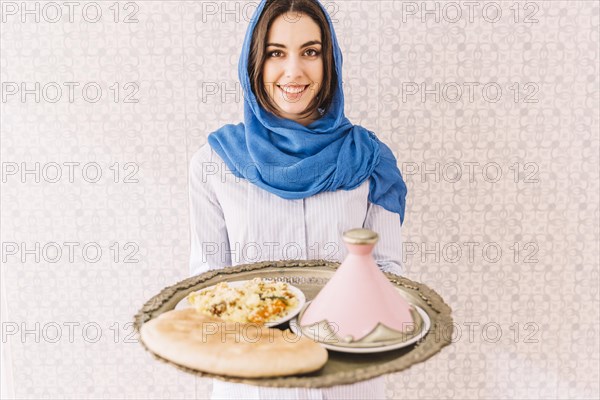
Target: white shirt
x,y
235,222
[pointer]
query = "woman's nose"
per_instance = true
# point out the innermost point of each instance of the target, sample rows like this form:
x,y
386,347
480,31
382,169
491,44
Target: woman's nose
x,y
293,68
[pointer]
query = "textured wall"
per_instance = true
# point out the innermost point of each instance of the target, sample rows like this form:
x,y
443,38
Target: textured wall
x,y
493,117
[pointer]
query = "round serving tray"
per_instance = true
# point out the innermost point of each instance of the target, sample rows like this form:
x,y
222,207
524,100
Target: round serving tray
x,y
310,276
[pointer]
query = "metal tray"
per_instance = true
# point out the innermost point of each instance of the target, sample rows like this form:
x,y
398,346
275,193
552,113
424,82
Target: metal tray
x,y
310,276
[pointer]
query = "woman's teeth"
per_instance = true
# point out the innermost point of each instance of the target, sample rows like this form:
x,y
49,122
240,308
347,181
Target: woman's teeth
x,y
293,90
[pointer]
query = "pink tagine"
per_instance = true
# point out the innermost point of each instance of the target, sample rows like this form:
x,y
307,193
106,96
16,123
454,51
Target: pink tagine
x,y
359,296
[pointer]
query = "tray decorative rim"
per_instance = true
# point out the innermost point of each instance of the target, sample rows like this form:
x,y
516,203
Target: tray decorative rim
x,y
438,311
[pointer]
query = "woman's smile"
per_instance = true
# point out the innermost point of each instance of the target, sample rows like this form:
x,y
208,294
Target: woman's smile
x,y
292,92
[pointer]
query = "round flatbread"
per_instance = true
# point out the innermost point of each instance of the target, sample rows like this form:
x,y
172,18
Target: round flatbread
x,y
194,340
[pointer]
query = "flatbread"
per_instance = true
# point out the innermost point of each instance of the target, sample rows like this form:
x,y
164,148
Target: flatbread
x,y
194,340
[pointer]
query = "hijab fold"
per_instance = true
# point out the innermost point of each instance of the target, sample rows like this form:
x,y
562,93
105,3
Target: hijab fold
x,y
294,161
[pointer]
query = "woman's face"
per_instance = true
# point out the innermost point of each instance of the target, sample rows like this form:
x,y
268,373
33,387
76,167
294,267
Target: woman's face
x,y
293,68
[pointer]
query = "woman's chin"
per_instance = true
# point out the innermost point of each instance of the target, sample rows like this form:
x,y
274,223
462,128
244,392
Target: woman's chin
x,y
293,110
289,114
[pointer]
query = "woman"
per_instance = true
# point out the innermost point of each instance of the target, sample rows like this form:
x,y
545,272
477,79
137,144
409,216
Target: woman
x,y
286,182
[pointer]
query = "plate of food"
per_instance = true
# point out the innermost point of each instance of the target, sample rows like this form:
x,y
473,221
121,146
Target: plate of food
x,y
258,301
419,331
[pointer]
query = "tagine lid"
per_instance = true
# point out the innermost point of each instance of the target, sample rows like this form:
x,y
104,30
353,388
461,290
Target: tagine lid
x,y
359,297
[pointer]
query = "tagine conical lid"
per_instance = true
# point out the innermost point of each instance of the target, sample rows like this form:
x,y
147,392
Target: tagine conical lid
x,y
359,296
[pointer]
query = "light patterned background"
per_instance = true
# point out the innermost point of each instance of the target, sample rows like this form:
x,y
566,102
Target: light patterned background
x,y
503,186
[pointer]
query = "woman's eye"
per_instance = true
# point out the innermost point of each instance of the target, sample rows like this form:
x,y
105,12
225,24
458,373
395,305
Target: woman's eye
x,y
309,52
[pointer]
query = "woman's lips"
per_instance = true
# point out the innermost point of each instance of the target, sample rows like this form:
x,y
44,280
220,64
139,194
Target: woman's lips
x,y
293,95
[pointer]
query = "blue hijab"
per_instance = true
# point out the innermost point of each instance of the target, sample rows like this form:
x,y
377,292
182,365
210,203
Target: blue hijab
x,y
295,161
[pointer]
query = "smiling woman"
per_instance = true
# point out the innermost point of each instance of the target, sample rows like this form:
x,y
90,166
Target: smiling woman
x,y
293,46
343,176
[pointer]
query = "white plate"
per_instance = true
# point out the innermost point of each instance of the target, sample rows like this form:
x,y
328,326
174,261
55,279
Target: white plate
x,y
426,325
184,303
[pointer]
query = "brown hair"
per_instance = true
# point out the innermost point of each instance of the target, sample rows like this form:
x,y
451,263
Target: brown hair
x,y
258,54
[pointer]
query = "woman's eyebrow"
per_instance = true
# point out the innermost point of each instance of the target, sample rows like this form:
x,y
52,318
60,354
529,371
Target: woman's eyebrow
x,y
304,45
